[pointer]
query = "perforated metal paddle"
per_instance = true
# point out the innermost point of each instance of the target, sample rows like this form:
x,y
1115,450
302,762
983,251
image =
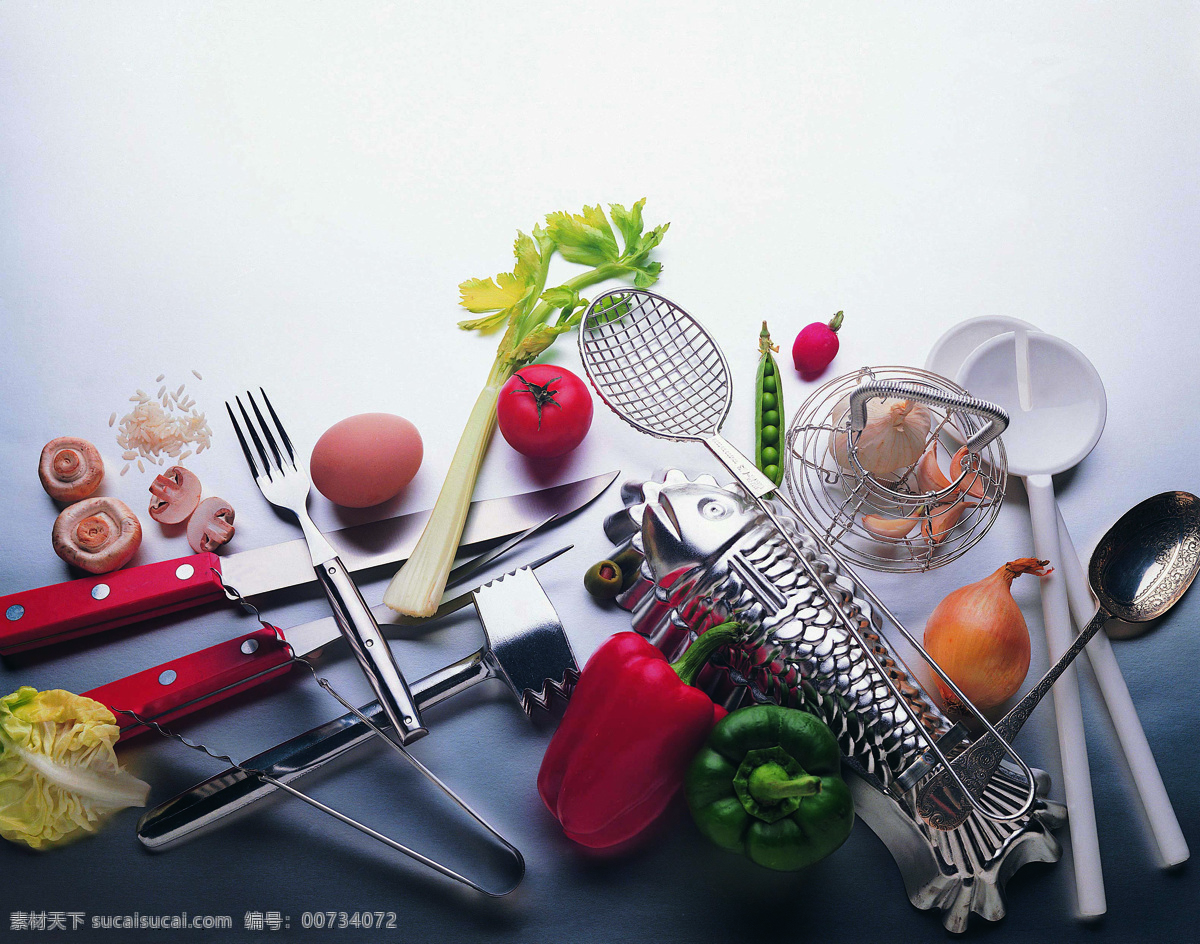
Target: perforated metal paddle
x,y
661,372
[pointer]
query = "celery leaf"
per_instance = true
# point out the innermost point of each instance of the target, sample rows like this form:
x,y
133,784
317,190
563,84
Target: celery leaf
x,y
629,222
480,295
581,237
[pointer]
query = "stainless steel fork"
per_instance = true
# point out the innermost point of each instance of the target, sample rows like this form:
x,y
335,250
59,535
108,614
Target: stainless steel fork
x,y
285,484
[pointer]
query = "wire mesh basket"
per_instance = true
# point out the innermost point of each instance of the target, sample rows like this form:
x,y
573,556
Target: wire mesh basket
x,y
914,518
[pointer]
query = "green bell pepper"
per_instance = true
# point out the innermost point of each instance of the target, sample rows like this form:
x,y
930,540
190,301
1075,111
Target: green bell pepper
x,y
768,784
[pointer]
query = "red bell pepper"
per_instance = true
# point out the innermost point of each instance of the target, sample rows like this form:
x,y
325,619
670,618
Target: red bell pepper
x,y
632,727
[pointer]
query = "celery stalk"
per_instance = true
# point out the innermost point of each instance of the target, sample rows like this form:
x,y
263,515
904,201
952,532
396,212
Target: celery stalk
x,y
519,302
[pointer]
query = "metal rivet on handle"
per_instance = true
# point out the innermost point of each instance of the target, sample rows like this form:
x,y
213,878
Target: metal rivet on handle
x,y
15,612
250,646
167,677
184,571
100,591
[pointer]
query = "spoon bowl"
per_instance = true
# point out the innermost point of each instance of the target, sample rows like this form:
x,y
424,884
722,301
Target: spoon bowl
x,y
1146,561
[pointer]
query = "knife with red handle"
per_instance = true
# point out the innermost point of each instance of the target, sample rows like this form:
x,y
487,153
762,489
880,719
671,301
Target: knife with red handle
x,y
33,618
189,683
46,615
192,682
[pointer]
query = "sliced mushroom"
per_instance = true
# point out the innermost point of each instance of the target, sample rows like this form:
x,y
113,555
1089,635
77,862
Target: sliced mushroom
x,y
70,468
99,534
174,495
211,525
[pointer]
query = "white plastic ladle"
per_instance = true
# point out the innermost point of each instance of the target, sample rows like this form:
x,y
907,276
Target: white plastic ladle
x,y
946,358
1057,407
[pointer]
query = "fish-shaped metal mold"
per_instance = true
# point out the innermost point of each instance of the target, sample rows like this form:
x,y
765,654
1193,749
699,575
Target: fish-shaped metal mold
x,y
710,555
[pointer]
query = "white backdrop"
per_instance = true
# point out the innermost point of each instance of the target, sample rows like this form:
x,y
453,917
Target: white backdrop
x,y
288,195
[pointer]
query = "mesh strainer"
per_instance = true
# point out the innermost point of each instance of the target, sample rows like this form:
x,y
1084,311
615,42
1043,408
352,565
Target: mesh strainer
x,y
662,373
844,499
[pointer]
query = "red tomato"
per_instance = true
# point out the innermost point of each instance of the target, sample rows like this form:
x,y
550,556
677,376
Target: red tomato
x,y
544,411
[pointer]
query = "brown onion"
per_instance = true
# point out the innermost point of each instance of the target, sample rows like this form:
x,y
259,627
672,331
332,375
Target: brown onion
x,y
977,634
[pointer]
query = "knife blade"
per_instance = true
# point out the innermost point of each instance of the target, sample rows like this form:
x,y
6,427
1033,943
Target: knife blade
x,y
34,618
169,691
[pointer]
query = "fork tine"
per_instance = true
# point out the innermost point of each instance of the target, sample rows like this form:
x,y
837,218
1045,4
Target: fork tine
x,y
266,431
278,425
254,435
242,439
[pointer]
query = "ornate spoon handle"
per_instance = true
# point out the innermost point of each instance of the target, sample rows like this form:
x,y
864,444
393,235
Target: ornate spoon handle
x,y
940,802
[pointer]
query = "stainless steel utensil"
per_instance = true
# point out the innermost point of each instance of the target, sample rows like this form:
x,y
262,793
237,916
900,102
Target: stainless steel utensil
x,y
1139,570
657,368
524,646
838,494
285,484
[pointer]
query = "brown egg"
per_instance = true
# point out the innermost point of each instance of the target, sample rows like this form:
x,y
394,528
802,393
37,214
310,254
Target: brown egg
x,y
366,459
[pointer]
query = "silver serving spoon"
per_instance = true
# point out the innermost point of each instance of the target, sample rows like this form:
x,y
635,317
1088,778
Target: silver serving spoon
x,y
1139,570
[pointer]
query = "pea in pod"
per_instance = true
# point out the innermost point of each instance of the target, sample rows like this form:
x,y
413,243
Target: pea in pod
x,y
768,412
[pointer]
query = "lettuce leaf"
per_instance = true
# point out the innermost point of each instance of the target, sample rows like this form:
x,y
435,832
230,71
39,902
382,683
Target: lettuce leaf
x,y
59,775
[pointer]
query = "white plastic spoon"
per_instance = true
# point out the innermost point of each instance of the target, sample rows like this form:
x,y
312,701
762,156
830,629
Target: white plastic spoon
x,y
946,357
1056,403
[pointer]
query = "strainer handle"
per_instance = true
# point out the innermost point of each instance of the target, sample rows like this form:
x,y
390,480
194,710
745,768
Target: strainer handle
x,y
996,416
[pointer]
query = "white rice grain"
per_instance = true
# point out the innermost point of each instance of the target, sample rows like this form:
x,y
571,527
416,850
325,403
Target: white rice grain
x,y
161,428
126,469
159,378
112,419
197,374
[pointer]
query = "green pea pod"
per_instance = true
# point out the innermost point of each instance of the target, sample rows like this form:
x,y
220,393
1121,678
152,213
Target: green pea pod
x,y
768,412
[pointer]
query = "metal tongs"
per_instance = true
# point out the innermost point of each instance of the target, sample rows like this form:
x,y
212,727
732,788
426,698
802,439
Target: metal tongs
x,y
285,484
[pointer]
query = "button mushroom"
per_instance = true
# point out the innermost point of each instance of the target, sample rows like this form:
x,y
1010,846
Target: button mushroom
x,y
211,525
99,534
70,468
174,495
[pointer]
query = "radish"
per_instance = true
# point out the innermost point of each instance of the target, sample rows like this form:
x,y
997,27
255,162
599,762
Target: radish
x,y
815,346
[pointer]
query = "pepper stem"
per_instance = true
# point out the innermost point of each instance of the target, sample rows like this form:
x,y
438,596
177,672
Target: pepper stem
x,y
688,665
770,783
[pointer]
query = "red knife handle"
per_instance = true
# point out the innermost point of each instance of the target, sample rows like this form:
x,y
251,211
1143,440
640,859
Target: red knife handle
x,y
192,682
34,618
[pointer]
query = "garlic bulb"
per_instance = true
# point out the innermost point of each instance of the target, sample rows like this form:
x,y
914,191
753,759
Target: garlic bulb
x,y
893,439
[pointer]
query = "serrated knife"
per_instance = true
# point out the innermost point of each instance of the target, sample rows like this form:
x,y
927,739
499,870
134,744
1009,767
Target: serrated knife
x,y
33,618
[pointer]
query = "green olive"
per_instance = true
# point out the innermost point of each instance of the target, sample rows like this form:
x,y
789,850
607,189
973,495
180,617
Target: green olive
x,y
769,383
770,455
603,580
771,471
630,561
770,435
771,418
768,401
